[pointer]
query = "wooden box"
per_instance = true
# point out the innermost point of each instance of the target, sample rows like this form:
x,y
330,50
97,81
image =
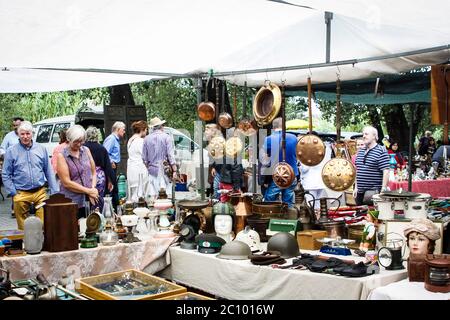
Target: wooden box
x,y
186,296
60,224
307,239
416,267
92,286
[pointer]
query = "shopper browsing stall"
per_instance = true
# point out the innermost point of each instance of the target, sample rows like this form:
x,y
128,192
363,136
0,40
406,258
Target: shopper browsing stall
x,y
372,168
27,173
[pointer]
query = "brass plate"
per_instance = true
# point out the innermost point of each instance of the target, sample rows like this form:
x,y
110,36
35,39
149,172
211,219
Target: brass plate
x,y
310,150
216,148
338,174
233,146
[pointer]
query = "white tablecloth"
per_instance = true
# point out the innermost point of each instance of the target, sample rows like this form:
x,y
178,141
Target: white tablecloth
x,y
234,279
406,290
148,256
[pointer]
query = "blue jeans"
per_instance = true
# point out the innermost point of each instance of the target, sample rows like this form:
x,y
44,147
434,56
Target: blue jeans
x,y
216,186
287,195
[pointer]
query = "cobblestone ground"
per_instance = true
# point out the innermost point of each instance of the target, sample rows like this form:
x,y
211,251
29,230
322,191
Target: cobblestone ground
x,y
6,222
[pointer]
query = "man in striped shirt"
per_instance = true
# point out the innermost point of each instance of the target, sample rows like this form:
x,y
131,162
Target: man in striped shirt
x,y
372,166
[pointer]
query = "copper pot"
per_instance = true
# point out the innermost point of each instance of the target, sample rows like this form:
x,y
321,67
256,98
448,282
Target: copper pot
x,y
233,146
225,120
206,111
310,150
338,174
216,147
283,175
242,204
267,104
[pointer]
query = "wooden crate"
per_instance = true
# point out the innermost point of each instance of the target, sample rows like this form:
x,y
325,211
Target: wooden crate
x,y
307,239
186,296
86,286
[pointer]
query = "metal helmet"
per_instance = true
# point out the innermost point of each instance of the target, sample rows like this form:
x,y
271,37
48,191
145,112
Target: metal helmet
x,y
285,243
235,250
250,237
223,208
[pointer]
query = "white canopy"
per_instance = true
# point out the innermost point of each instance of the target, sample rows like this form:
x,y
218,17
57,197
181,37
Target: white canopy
x,y
129,41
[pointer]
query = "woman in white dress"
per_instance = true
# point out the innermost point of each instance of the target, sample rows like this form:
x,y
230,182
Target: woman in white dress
x,y
136,169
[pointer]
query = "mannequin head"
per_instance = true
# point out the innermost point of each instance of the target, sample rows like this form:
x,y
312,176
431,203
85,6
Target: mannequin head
x,y
223,224
421,236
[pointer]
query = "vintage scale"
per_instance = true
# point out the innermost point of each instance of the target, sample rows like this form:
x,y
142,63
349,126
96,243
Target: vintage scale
x,y
336,246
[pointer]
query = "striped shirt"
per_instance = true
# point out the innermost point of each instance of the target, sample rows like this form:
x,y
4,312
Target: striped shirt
x,y
369,168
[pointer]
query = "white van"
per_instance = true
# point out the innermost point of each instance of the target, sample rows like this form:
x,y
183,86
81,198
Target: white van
x,y
46,132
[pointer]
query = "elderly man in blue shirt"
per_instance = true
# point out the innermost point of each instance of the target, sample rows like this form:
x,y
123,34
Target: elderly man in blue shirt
x,y
112,145
26,174
11,137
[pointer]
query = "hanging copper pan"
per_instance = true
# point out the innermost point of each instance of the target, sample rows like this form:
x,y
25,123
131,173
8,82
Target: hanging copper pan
x,y
338,174
225,119
310,150
283,175
247,126
206,109
267,104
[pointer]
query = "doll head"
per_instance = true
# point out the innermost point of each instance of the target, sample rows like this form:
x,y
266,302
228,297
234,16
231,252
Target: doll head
x,y
421,236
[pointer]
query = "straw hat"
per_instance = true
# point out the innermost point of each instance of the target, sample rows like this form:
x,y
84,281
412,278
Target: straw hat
x,y
156,122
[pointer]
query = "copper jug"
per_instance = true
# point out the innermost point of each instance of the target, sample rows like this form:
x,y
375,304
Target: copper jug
x,y
310,150
338,174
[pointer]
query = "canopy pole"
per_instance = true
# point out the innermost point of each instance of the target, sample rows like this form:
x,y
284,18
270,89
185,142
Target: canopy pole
x,y
328,18
411,122
338,110
202,165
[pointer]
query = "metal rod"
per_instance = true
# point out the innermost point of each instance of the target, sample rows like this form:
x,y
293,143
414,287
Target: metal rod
x,y
202,165
328,18
309,105
335,63
249,71
244,101
411,122
445,131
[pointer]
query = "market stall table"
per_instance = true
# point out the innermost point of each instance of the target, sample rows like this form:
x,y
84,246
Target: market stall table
x,y
148,255
241,280
406,290
436,188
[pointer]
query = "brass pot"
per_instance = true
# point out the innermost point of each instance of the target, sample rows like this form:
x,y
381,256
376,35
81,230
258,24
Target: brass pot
x,y
338,174
283,175
233,146
310,150
206,111
225,120
216,147
267,104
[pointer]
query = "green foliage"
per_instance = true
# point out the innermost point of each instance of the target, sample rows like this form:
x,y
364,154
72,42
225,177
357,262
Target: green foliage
x,y
37,106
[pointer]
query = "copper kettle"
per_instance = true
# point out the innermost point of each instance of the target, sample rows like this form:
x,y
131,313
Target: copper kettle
x,y
206,110
310,150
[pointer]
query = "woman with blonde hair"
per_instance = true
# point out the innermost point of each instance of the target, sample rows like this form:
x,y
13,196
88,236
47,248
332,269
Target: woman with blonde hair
x,y
135,165
76,170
